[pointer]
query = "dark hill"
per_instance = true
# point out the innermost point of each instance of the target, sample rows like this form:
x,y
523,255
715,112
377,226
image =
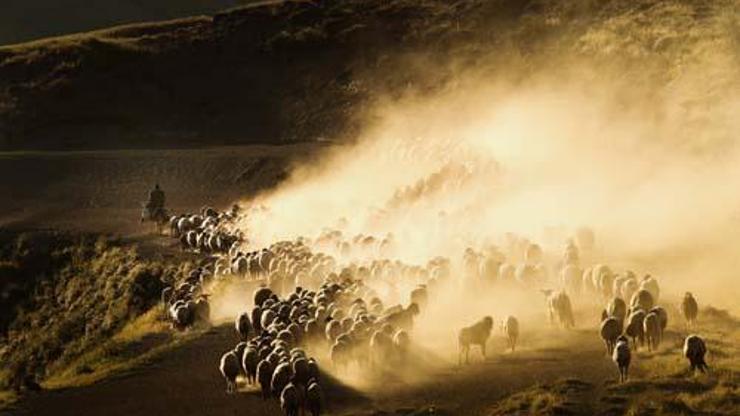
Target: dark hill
x,y
299,71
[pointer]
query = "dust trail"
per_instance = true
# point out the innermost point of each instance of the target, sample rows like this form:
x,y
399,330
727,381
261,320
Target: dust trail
x,y
652,165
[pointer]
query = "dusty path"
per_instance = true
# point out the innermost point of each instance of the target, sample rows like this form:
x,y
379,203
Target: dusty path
x,y
187,382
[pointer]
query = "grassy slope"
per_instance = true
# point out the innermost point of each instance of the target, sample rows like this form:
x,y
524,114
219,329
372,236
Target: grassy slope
x,y
74,306
660,383
299,71
24,20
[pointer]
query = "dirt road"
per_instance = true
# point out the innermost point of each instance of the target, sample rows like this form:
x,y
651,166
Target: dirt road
x,y
103,191
186,381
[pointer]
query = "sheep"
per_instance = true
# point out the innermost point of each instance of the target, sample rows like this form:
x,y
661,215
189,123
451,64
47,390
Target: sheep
x,y
690,309
280,378
634,328
333,330
380,347
662,318
250,359
202,310
610,330
652,330
339,353
403,319
694,349
571,279
419,296
642,299
511,328
264,377
617,309
229,370
603,279
261,295
628,288
401,344
650,284
243,326
166,296
558,305
622,357
476,334
314,398
289,401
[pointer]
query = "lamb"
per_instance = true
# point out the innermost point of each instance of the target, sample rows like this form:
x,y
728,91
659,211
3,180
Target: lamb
x,y
622,357
652,330
610,330
314,398
230,369
635,328
243,326
694,349
289,401
511,328
476,334
690,309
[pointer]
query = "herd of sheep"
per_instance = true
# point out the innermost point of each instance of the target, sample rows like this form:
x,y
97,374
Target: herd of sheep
x,y
319,298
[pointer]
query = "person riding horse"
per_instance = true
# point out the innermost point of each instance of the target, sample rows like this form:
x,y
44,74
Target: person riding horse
x,y
156,199
154,209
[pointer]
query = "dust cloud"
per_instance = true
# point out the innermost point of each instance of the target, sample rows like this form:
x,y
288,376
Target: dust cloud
x,y
651,165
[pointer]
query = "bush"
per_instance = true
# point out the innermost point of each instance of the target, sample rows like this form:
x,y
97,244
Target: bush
x,y
64,294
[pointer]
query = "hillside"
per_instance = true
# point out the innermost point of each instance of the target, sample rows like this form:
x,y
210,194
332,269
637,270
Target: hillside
x,y
24,20
299,71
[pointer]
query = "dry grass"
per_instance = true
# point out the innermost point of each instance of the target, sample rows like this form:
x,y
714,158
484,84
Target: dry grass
x,y
137,342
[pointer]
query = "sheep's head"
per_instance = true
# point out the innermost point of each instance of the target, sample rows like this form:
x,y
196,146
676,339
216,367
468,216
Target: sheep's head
x,y
488,322
414,309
